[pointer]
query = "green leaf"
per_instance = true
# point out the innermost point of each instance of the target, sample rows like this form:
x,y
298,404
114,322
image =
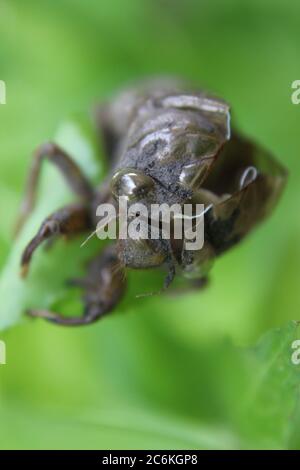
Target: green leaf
x,y
254,393
268,400
45,282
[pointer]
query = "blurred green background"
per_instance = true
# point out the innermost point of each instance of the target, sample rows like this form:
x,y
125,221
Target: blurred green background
x,y
162,372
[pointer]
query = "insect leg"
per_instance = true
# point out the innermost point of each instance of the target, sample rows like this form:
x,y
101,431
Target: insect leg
x,y
68,221
70,170
103,289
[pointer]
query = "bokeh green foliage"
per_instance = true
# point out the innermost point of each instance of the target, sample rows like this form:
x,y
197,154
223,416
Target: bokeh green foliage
x,y
163,371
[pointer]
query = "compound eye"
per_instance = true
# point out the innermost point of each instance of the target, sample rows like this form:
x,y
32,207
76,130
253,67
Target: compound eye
x,y
131,183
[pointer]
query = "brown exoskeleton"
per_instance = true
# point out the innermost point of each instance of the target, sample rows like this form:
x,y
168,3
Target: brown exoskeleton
x,y
166,143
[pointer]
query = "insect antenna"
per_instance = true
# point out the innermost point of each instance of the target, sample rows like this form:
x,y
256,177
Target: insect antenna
x,y
98,229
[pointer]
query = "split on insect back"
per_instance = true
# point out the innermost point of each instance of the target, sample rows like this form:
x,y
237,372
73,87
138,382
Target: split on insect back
x,y
169,147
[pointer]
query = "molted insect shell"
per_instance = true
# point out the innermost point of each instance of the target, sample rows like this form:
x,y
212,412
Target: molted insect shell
x,y
193,174
202,261
131,183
